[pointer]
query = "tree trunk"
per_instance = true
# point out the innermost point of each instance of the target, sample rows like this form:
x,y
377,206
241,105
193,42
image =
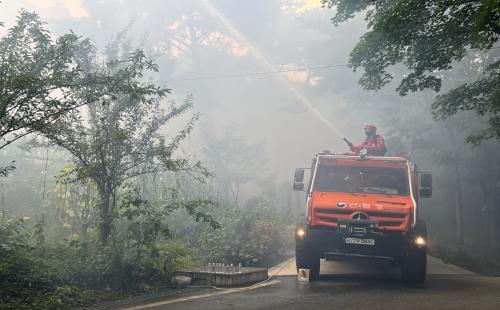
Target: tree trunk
x,y
487,215
45,172
451,210
237,198
494,220
106,217
459,207
3,196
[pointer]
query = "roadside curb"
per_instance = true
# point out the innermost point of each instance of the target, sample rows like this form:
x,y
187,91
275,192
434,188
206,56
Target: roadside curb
x,y
284,265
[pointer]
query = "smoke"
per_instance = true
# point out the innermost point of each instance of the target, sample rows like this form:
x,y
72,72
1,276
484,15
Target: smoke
x,y
263,60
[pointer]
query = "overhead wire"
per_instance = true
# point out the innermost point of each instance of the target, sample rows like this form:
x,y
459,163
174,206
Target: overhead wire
x,y
225,76
249,74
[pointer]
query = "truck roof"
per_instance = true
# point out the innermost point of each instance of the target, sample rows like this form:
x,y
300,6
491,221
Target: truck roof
x,y
363,160
361,157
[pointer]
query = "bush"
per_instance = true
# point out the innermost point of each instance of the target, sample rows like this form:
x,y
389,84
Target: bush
x,y
254,235
43,273
36,273
28,276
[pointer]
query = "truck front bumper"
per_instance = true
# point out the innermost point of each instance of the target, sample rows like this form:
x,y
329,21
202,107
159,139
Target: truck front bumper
x,y
330,243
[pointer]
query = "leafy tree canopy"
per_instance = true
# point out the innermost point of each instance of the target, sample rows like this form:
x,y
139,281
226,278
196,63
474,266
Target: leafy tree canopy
x,y
42,78
428,37
122,137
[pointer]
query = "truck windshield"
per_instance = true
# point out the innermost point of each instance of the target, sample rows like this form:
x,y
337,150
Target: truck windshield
x,y
374,180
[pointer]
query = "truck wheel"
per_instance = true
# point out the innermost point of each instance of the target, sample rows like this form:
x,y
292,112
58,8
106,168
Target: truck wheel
x,y
308,260
414,264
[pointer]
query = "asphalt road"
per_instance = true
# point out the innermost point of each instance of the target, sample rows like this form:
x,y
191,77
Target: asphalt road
x,y
361,285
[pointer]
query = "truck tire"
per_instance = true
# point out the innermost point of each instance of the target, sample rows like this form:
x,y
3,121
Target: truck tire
x,y
414,264
307,260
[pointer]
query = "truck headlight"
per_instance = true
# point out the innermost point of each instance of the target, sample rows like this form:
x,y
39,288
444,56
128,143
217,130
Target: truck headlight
x,y
420,241
300,232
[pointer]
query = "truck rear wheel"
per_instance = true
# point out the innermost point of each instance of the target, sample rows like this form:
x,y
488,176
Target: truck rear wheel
x,y
307,260
414,264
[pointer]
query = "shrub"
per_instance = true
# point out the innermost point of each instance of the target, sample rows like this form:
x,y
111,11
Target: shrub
x,y
254,235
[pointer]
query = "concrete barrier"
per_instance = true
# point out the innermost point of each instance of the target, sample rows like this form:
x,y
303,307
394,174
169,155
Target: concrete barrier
x,y
245,276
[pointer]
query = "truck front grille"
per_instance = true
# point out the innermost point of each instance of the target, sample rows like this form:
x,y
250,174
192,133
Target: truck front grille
x,y
389,220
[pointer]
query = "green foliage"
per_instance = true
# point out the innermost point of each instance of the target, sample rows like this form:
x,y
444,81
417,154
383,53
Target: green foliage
x,y
73,204
122,136
254,235
428,37
72,269
4,171
425,36
36,273
103,229
146,222
29,279
114,136
42,78
482,96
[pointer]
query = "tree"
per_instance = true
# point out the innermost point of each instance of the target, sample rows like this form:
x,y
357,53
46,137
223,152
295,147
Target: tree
x,y
428,37
235,161
481,96
121,136
42,78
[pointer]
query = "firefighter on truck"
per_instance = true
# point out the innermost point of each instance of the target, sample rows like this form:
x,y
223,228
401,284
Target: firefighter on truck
x,y
373,144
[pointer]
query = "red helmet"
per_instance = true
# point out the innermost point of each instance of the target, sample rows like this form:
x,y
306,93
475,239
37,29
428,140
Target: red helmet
x,y
370,126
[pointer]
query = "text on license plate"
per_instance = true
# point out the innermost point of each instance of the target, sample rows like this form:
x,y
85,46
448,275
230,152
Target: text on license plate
x,y
360,241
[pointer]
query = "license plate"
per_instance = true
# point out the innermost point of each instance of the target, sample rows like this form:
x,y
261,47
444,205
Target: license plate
x,y
360,241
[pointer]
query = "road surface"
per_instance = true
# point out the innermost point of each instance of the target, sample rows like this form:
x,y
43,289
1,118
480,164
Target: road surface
x,y
360,285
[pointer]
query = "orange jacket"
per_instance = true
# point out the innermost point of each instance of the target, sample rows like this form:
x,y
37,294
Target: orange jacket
x,y
374,145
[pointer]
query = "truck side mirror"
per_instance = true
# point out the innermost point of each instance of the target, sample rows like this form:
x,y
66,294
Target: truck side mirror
x,y
425,185
298,180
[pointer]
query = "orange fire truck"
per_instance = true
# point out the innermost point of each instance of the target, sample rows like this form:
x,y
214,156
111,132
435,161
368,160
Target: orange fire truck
x,y
363,207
